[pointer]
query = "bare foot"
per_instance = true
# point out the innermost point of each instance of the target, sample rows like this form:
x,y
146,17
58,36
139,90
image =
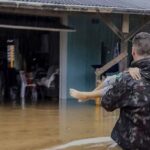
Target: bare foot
x,y
78,95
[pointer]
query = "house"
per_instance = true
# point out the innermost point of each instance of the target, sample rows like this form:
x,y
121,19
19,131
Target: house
x,y
80,33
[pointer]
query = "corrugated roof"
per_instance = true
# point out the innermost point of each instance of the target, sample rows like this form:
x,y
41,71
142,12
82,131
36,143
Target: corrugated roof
x,y
137,4
116,6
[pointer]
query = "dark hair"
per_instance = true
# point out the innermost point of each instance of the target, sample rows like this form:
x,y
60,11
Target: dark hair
x,y
141,42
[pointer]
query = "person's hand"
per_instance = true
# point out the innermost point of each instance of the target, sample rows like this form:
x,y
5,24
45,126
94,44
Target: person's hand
x,y
135,73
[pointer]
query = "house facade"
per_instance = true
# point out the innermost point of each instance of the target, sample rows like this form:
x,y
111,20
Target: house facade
x,y
81,34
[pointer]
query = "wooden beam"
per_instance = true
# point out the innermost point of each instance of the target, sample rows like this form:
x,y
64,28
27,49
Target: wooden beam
x,y
124,63
35,28
113,62
124,44
107,20
135,31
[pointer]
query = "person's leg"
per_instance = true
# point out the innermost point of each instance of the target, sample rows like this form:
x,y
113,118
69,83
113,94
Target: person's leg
x,y
89,95
96,93
84,95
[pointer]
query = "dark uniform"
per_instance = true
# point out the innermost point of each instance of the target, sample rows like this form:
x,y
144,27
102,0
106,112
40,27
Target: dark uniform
x,y
132,130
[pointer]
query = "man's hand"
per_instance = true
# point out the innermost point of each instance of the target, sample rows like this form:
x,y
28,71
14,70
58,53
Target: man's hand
x,y
135,73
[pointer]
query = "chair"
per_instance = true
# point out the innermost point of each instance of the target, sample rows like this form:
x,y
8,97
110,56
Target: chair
x,y
47,82
25,85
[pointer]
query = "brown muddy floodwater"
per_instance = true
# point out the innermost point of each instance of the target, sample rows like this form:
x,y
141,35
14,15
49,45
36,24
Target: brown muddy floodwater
x,y
75,126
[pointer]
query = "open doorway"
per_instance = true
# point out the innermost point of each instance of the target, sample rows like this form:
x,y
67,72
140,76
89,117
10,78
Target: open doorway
x,y
35,53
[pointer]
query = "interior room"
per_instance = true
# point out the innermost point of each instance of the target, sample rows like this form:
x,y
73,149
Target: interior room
x,y
29,61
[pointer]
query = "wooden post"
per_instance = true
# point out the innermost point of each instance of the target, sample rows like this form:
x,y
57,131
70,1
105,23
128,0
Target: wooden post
x,y
124,43
97,100
125,24
123,63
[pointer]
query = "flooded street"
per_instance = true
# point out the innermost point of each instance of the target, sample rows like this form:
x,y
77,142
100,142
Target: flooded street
x,y
49,126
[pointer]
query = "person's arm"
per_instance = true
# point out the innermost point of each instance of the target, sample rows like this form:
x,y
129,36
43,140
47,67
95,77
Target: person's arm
x,y
113,98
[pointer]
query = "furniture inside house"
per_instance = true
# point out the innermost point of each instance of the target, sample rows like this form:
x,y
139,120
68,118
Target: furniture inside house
x,y
27,83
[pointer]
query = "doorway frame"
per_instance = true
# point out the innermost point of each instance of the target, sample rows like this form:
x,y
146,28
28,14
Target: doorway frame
x,y
63,62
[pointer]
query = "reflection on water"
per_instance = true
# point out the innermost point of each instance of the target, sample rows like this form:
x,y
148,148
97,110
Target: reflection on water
x,y
40,127
100,142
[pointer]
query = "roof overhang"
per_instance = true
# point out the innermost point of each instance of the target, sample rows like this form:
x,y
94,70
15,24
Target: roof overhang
x,y
15,5
46,29
36,23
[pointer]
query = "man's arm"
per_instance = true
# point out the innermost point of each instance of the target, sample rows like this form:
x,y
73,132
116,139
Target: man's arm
x,y
115,97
